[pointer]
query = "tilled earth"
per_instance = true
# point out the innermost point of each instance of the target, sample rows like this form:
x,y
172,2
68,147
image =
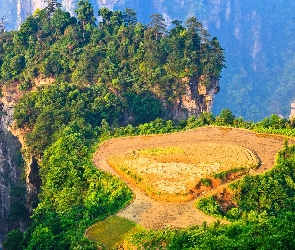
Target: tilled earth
x,y
159,214
171,174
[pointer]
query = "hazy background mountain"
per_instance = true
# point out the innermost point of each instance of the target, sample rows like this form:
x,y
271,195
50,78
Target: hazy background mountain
x,y
258,38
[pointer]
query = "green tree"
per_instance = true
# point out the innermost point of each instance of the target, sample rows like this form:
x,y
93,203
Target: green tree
x,y
216,58
85,15
29,26
42,238
61,20
14,240
52,5
86,69
116,20
157,26
193,25
129,17
144,107
227,117
106,14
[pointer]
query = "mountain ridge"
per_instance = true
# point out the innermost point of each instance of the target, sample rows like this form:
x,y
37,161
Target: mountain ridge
x,y
257,42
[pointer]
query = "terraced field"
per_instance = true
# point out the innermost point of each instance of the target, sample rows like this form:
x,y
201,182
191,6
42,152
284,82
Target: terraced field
x,y
172,173
151,213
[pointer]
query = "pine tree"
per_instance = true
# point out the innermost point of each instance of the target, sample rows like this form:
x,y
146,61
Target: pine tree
x,y
129,17
85,14
52,5
2,24
157,25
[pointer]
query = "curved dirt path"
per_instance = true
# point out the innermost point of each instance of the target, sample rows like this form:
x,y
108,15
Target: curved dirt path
x,y
158,214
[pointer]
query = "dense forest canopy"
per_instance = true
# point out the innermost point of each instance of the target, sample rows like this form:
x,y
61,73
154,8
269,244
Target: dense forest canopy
x,y
144,66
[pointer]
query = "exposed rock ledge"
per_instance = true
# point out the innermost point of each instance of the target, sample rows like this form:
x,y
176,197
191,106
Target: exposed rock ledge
x,y
198,97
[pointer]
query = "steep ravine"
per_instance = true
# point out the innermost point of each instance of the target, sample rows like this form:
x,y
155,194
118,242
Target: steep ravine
x,y
19,179
10,171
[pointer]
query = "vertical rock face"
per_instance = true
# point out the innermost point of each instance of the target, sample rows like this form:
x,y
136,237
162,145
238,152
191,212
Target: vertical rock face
x,y
33,183
17,194
196,98
10,172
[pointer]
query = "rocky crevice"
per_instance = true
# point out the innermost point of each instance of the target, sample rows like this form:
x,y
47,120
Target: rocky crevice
x,y
19,176
10,171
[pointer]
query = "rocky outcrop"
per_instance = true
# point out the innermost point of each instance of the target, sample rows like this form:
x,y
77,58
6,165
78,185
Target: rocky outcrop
x,y
10,171
19,179
198,97
30,173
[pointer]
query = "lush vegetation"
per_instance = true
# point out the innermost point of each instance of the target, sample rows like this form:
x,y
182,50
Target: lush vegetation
x,y
113,231
108,74
146,67
255,232
74,195
105,76
47,112
271,193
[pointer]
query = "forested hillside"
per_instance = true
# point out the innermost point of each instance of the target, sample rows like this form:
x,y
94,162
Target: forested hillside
x,y
72,81
74,195
124,78
144,70
258,42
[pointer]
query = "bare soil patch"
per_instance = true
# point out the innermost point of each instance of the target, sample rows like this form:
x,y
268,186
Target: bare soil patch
x,y
158,214
173,173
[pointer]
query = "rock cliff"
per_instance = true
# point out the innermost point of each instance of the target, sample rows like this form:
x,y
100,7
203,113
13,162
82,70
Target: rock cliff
x,y
10,171
19,180
196,98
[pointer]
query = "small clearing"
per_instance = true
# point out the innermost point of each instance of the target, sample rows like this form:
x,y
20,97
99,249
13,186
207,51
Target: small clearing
x,y
155,214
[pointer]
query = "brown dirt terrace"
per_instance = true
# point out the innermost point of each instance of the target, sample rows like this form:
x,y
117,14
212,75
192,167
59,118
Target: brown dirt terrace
x,y
158,214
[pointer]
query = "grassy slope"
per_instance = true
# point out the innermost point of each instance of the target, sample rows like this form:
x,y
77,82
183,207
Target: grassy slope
x,y
113,231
